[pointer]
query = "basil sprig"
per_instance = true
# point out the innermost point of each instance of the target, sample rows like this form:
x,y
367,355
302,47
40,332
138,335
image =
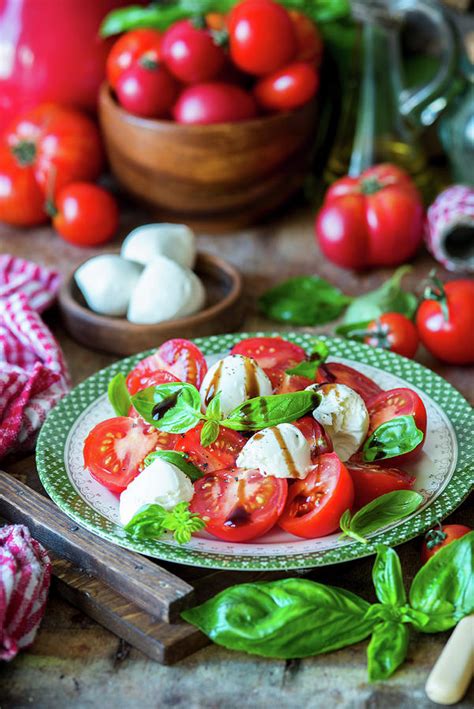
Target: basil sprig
x,y
379,513
398,436
308,368
263,411
118,395
293,618
152,521
177,458
388,298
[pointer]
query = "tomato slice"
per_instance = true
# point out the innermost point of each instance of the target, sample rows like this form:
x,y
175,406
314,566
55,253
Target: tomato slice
x,y
335,372
220,454
315,504
145,375
239,504
287,383
273,354
115,449
181,358
398,402
371,481
318,439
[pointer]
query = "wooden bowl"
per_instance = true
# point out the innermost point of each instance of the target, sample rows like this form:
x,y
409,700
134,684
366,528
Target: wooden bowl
x,y
216,176
223,312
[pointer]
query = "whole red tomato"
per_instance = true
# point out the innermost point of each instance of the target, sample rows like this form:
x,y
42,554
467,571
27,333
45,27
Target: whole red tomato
x,y
287,88
147,89
215,102
445,321
375,219
21,200
395,332
85,214
261,35
437,538
308,39
129,49
192,53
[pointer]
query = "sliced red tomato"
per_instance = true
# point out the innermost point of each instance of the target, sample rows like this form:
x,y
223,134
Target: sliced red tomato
x,y
371,481
318,439
144,375
288,383
115,449
220,454
239,504
342,374
178,357
273,354
315,504
398,402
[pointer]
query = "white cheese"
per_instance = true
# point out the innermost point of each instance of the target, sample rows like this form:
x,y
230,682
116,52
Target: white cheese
x,y
238,378
176,241
107,283
281,451
160,483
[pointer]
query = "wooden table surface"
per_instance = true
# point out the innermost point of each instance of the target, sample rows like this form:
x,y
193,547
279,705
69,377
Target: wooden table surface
x,y
76,663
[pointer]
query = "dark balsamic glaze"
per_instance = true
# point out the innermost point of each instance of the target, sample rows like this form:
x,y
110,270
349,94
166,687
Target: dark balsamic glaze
x,y
238,517
290,463
252,388
213,387
160,409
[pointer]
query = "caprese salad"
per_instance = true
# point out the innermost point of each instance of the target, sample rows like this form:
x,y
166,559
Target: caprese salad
x,y
268,435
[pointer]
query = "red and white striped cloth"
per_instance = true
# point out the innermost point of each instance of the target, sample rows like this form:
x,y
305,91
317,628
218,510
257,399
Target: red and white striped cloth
x,y
33,375
25,575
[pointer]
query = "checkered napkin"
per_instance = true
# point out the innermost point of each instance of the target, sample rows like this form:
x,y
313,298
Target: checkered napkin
x,y
33,376
25,574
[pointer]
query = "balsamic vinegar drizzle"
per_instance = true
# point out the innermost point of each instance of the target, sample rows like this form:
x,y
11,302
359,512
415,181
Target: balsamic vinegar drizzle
x,y
252,388
290,463
160,409
213,387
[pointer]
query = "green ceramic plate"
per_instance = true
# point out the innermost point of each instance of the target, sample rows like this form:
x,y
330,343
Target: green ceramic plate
x,y
444,473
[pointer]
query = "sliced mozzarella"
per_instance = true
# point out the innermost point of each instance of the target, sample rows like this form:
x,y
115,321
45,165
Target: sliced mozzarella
x,y
281,451
160,483
176,241
238,378
107,283
344,416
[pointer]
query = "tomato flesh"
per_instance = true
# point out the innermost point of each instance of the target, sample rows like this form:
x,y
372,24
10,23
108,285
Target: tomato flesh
x,y
218,455
398,402
335,372
181,358
318,439
144,375
273,354
371,481
239,504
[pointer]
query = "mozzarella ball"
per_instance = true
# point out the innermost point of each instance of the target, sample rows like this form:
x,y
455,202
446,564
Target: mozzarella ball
x,y
107,283
238,378
175,241
281,451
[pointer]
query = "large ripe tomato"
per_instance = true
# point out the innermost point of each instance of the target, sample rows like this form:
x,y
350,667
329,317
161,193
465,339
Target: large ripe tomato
x,y
372,480
308,39
181,358
214,102
273,354
115,449
85,214
375,219
217,456
147,90
287,88
191,52
60,144
238,504
129,49
394,332
261,35
440,537
144,375
315,504
445,322
318,439
21,199
398,402
337,373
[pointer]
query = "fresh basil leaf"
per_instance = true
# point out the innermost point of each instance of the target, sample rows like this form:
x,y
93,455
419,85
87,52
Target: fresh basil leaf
x,y
213,411
345,523
286,619
384,510
118,395
183,523
180,406
264,411
209,433
180,460
304,300
354,331
387,649
395,437
397,614
148,523
387,577
444,587
388,298
308,368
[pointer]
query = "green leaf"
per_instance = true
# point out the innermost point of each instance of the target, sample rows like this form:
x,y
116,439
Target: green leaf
x,y
379,513
213,411
173,407
387,649
148,523
308,368
304,300
180,460
387,577
209,433
183,523
395,437
388,298
118,395
264,411
444,587
286,619
353,331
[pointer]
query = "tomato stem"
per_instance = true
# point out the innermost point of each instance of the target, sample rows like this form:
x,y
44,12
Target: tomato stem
x,y
25,152
370,185
435,291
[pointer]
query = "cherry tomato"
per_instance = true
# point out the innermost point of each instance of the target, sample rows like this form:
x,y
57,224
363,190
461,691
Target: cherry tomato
x,y
440,537
337,373
261,36
372,480
85,214
375,219
273,354
147,90
129,49
115,449
398,402
179,357
287,88
60,144
318,439
315,504
217,456
21,199
395,332
215,102
144,376
239,504
191,52
308,39
445,322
